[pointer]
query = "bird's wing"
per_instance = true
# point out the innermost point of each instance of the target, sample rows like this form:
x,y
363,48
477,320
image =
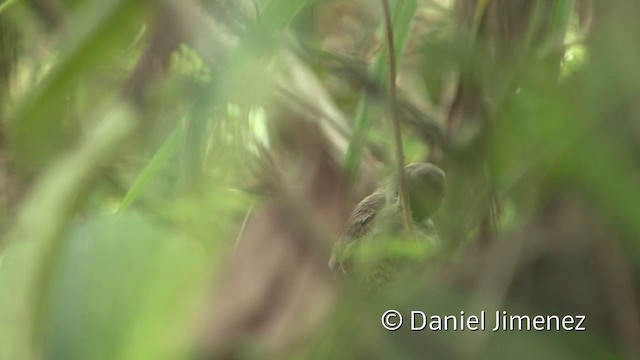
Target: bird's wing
x,y
360,224
363,217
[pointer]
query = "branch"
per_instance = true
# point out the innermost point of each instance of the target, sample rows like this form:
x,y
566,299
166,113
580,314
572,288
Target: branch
x,y
404,195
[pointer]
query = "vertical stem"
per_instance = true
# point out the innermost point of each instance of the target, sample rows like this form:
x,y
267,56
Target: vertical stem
x,y
404,195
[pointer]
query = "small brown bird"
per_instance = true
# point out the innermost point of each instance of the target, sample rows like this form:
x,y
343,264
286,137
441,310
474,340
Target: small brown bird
x,y
381,212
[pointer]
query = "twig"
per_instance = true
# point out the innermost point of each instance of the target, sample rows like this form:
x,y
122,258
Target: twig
x,y
404,198
243,227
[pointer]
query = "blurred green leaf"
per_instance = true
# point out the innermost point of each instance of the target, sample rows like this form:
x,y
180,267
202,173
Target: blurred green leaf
x,y
50,205
6,4
278,14
155,165
124,288
98,32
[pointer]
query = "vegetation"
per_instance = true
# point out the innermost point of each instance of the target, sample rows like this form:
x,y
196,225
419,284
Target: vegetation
x,y
174,174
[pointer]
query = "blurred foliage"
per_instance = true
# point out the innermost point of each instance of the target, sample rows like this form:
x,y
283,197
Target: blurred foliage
x,y
144,143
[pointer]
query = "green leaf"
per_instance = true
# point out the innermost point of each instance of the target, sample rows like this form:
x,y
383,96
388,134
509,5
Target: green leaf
x,y
7,4
35,234
278,14
157,162
95,34
123,289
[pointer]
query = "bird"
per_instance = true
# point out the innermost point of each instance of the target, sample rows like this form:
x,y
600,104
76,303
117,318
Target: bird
x,y
380,213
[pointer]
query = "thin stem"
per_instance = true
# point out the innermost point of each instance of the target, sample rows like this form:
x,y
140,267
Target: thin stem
x,y
404,195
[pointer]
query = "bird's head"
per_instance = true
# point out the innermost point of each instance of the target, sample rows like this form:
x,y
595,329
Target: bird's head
x,y
426,188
